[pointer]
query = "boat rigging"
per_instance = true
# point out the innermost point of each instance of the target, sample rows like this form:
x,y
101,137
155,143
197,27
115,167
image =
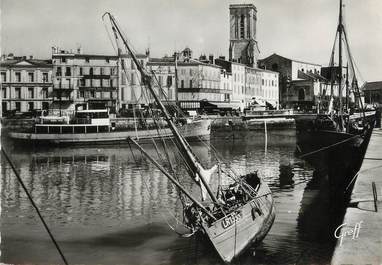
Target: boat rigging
x,y
235,215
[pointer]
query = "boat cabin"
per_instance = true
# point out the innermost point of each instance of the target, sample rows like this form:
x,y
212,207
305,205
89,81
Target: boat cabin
x,y
84,121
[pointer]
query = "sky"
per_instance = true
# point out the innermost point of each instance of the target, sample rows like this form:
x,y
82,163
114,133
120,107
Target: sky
x,y
298,29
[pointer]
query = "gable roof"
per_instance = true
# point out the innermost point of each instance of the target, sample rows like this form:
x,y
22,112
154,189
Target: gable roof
x,y
289,59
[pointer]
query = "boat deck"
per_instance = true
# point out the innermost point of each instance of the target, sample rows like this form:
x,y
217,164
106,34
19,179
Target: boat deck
x,y
364,245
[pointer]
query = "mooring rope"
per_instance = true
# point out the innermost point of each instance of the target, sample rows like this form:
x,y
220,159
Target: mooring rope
x,y
34,206
328,147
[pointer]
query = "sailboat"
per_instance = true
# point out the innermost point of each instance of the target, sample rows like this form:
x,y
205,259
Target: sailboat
x,y
234,216
334,139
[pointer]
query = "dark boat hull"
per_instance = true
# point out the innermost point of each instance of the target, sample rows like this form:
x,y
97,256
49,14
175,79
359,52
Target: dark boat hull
x,y
339,155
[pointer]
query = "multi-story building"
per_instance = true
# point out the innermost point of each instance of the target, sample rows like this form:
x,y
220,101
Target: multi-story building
x,y
26,84
130,81
163,70
253,88
249,84
292,72
270,87
226,84
84,81
197,80
243,46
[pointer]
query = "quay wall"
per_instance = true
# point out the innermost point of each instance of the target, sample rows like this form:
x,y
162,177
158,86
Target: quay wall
x,y
361,231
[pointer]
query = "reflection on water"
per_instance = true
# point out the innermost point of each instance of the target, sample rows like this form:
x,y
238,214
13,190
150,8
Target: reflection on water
x,y
104,208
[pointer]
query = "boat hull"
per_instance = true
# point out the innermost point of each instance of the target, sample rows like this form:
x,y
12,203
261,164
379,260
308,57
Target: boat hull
x,y
194,130
340,156
246,226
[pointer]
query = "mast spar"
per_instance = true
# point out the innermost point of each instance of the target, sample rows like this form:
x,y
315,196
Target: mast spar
x,y
340,32
200,175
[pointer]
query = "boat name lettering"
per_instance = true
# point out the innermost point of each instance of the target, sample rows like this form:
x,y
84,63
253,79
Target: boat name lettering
x,y
231,219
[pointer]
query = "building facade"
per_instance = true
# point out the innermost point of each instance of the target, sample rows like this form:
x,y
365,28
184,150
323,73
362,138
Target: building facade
x,y
26,84
130,81
270,87
84,81
373,92
289,70
243,47
163,70
250,84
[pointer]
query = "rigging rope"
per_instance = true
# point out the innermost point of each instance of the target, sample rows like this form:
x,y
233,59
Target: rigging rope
x,y
153,199
328,147
34,206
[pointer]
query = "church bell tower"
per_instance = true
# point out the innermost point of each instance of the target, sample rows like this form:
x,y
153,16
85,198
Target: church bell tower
x,y
243,44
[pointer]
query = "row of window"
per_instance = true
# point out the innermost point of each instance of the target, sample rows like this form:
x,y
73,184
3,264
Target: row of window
x,y
30,106
67,71
30,93
30,77
96,94
238,77
87,60
266,82
66,83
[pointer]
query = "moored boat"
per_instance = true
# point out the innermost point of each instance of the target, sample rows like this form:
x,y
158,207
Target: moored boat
x,y
235,215
337,141
95,126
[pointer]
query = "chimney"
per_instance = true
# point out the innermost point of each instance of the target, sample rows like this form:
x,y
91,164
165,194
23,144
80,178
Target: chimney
x,y
24,57
222,58
30,57
211,59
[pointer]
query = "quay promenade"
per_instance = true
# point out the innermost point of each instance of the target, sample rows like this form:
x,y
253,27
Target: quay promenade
x,y
360,237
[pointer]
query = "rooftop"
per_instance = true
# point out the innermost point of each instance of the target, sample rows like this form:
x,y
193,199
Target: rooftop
x,y
377,85
286,58
236,6
24,62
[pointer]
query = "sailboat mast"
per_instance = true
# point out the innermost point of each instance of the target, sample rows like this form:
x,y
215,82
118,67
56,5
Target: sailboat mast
x,y
191,161
347,88
176,77
340,31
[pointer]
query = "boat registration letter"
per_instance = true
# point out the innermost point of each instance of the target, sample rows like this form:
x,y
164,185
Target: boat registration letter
x,y
231,219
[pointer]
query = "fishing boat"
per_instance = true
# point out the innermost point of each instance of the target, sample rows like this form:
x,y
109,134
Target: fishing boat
x,y
235,215
338,140
95,126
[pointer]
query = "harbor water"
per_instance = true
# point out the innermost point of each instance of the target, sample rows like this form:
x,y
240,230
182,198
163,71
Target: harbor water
x,y
106,205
